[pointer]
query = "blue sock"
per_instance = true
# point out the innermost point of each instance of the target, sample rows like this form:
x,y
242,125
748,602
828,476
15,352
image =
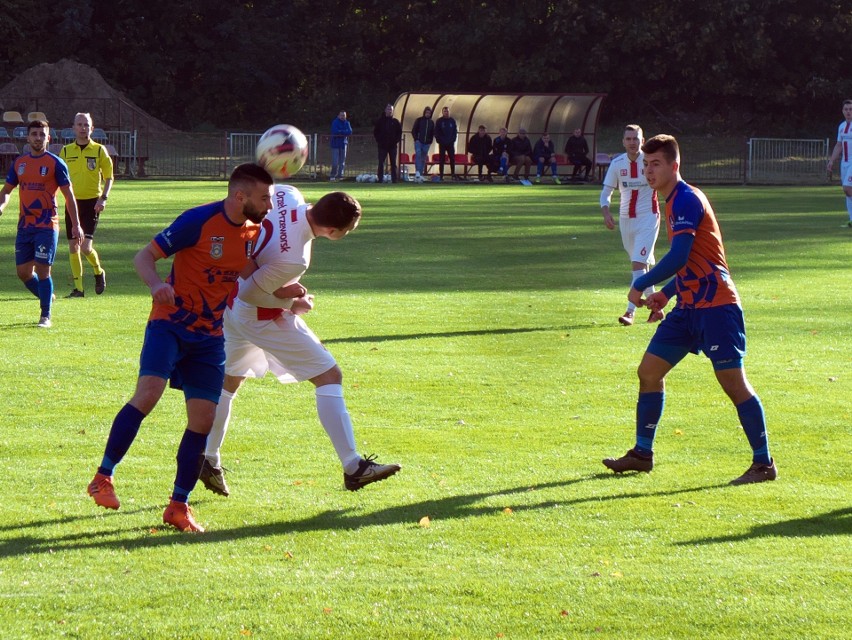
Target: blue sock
x,y
540,166
45,295
754,424
649,409
121,436
32,285
188,464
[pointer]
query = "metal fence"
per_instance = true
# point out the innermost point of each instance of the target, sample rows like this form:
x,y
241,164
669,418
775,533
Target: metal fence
x,y
198,155
786,161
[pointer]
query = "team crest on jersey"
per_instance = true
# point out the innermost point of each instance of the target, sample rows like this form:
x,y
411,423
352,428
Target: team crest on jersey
x,y
624,172
21,168
91,163
217,247
42,171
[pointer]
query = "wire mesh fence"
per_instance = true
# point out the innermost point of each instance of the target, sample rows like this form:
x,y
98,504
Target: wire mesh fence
x,y
214,156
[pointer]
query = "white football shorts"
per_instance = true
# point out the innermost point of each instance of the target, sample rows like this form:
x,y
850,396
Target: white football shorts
x,y
285,346
846,174
638,235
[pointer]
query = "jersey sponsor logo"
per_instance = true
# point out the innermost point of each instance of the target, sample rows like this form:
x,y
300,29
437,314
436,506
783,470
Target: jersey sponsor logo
x,y
91,163
283,243
217,246
680,221
714,347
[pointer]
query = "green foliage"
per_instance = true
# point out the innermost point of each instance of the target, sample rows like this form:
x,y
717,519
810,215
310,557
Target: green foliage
x,y
476,329
758,66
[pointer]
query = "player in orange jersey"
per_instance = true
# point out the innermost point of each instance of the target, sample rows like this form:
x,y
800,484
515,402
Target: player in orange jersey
x,y
184,342
39,174
708,317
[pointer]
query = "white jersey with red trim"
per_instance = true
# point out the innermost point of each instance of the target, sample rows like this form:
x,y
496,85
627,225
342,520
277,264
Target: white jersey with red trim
x,y
283,249
637,198
844,137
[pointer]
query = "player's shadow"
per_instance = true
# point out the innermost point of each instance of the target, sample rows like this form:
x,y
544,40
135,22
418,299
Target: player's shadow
x,y
832,523
449,508
455,334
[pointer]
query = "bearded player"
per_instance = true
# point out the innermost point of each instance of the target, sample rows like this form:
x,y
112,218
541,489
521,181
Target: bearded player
x,y
264,330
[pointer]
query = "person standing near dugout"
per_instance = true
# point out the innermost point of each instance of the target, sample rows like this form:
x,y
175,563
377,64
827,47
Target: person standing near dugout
x,y
639,211
90,168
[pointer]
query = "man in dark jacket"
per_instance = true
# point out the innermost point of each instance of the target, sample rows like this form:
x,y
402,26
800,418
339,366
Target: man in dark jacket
x,y
446,132
387,132
500,153
479,146
423,133
544,153
521,152
577,150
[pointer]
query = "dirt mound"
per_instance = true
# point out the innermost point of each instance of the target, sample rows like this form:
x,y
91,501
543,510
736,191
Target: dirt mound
x,y
65,88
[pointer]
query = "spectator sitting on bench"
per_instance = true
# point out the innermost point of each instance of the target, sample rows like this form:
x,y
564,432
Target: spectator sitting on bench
x,y
545,153
500,152
577,150
521,153
479,146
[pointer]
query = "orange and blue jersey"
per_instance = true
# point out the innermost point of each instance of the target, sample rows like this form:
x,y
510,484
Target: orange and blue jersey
x,y
38,178
704,281
209,252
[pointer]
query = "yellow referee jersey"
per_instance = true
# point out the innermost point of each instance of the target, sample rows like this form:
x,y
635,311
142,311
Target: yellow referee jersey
x,y
88,167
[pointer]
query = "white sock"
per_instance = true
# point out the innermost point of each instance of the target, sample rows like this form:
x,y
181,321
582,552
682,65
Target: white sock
x,y
331,409
220,425
637,273
849,206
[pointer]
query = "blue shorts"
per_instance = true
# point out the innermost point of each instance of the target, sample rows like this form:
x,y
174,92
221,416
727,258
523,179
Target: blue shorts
x,y
718,332
191,362
36,244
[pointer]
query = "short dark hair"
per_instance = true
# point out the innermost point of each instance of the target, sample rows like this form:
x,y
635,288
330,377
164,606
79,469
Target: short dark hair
x,y
248,174
37,124
336,209
636,128
845,102
665,144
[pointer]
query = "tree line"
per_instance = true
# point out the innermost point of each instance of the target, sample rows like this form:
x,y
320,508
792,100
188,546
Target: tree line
x,y
763,67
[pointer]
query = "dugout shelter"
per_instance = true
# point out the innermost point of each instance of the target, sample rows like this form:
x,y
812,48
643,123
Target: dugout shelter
x,y
557,113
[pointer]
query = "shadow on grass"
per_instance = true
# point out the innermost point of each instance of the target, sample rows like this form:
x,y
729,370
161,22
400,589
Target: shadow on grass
x,y
449,508
833,523
455,334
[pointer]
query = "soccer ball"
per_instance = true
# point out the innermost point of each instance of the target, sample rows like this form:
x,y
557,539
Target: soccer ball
x,y
282,150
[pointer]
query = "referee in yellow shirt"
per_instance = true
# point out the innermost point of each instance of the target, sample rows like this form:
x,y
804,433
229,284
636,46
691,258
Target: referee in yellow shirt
x,y
90,168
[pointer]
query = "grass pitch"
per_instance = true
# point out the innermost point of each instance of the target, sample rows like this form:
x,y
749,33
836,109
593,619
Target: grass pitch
x,y
476,328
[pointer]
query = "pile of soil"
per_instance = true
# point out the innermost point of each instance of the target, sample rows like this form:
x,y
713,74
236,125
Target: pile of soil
x,y
64,88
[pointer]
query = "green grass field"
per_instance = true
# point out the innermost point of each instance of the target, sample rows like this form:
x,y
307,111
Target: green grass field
x,y
476,328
